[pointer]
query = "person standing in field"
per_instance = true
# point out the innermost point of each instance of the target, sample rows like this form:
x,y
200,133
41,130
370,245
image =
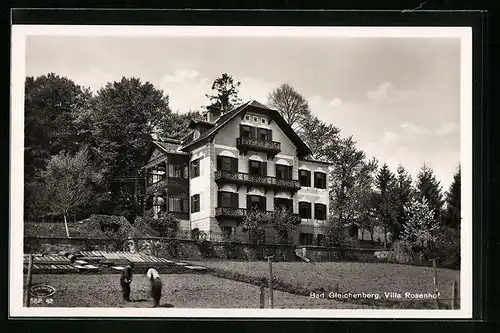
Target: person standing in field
x,y
156,286
125,281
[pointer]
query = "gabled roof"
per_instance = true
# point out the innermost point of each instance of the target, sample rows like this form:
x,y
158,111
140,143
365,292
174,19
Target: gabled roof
x,y
275,115
167,146
195,122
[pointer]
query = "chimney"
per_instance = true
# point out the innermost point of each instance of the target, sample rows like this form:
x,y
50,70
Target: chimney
x,y
213,113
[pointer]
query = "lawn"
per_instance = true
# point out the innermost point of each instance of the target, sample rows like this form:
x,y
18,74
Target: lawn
x,y
180,291
355,277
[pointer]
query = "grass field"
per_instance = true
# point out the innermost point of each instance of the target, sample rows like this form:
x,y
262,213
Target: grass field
x,y
180,291
354,277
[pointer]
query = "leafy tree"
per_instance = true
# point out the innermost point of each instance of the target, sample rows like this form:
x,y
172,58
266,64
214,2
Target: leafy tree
x,y
125,115
225,93
67,182
255,223
291,105
385,200
52,103
323,139
175,126
421,228
429,188
403,194
451,216
348,182
284,221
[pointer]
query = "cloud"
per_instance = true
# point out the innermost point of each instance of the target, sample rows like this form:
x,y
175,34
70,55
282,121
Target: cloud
x,y
94,79
386,91
186,89
390,137
256,89
412,128
447,129
180,76
381,92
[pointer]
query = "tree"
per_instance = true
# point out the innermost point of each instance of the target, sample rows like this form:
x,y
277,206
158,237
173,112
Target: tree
x,y
255,223
67,182
420,231
350,181
52,103
283,221
385,200
175,126
125,115
225,96
291,105
451,214
323,139
403,194
429,188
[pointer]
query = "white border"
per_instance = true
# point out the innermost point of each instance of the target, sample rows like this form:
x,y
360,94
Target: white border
x,y
19,34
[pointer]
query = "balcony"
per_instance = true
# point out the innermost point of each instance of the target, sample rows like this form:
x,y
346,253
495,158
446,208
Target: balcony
x,y
236,213
240,178
169,182
272,148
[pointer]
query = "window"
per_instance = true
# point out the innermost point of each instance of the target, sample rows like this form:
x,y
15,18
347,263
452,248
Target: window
x,y
257,168
179,205
305,239
245,131
255,119
264,134
283,171
305,178
175,171
195,168
247,117
195,203
226,232
225,163
256,202
282,202
305,210
320,180
319,239
263,120
228,199
320,211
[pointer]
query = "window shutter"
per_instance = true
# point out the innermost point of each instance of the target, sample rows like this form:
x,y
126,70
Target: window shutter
x,y
234,164
254,132
192,204
249,202
263,167
234,200
315,180
219,163
263,203
200,165
308,176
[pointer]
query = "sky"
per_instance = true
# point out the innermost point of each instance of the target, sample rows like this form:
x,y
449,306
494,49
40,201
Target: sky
x,y
398,97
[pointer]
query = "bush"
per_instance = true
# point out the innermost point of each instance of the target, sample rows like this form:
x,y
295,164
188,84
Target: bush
x,y
166,225
402,253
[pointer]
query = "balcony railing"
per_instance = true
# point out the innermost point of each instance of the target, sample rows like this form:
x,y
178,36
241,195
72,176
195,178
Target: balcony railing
x,y
246,143
238,213
167,182
256,180
160,185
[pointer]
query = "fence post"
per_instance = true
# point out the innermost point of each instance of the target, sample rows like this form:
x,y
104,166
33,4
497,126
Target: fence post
x,y
262,296
28,282
271,296
454,295
436,289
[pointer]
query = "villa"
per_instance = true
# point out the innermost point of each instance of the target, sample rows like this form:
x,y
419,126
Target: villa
x,y
245,158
